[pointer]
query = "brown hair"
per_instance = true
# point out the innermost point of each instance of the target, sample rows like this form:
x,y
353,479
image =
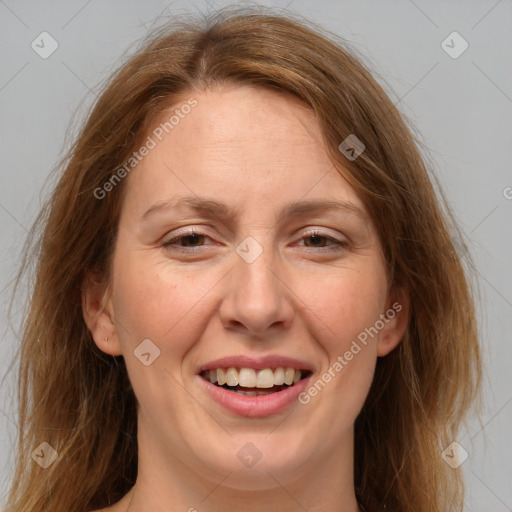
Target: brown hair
x,y
80,401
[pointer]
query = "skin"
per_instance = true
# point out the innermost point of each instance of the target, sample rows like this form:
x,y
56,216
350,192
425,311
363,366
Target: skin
x,y
256,151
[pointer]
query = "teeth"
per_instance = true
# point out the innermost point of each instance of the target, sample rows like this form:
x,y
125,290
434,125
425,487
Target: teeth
x,y
247,378
250,378
221,376
279,376
256,392
247,393
265,378
232,377
288,376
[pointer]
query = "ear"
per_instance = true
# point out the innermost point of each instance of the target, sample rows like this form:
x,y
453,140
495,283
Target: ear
x,y
99,314
396,321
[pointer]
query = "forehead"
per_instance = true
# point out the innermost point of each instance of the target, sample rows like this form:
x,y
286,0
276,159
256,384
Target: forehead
x,y
240,117
241,144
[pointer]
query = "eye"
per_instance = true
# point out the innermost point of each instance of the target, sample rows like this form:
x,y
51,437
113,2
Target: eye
x,y
187,240
321,240
193,240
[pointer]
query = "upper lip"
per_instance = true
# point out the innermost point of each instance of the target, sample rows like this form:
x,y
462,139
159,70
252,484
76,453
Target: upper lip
x,y
258,363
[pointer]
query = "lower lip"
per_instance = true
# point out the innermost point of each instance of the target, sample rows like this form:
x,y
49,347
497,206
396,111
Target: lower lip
x,y
255,406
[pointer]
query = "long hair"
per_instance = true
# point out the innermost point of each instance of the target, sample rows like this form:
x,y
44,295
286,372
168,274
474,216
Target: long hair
x,y
80,401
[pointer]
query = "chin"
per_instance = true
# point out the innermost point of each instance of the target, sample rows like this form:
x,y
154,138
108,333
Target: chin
x,y
251,469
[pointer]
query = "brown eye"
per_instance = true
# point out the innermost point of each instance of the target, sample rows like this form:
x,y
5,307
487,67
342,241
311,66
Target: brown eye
x,y
189,240
317,239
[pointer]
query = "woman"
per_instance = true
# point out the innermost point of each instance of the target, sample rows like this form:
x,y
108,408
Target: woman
x,y
246,294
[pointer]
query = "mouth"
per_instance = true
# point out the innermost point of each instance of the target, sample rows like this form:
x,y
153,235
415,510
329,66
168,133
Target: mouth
x,y
255,382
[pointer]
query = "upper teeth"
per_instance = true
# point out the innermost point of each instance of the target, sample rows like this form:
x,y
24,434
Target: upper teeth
x,y
250,378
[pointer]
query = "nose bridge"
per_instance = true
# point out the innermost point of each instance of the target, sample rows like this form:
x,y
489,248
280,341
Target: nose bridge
x,y
254,265
257,298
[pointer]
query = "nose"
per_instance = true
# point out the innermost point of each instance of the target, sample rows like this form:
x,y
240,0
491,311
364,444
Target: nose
x,y
258,299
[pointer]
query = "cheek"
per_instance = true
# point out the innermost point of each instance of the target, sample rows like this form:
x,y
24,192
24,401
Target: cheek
x,y
343,305
343,309
154,299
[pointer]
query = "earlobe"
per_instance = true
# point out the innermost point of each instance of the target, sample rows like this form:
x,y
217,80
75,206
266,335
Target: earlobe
x,y
98,314
396,322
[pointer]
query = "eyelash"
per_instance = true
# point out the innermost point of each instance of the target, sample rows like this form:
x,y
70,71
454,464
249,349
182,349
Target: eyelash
x,y
171,244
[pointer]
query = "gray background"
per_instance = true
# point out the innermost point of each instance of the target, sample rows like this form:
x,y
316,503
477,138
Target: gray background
x,y
462,108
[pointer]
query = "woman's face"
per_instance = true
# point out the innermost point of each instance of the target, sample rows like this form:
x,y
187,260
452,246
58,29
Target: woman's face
x,y
270,278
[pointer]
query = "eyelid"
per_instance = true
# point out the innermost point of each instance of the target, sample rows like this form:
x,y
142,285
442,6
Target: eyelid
x,y
321,232
336,242
184,233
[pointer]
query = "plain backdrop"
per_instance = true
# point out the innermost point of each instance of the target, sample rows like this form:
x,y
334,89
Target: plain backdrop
x,y
462,108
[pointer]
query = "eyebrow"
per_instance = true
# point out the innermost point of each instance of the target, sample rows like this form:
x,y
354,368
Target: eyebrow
x,y
215,208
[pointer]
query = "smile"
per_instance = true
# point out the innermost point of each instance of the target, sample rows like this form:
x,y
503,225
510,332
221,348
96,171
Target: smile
x,y
252,382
